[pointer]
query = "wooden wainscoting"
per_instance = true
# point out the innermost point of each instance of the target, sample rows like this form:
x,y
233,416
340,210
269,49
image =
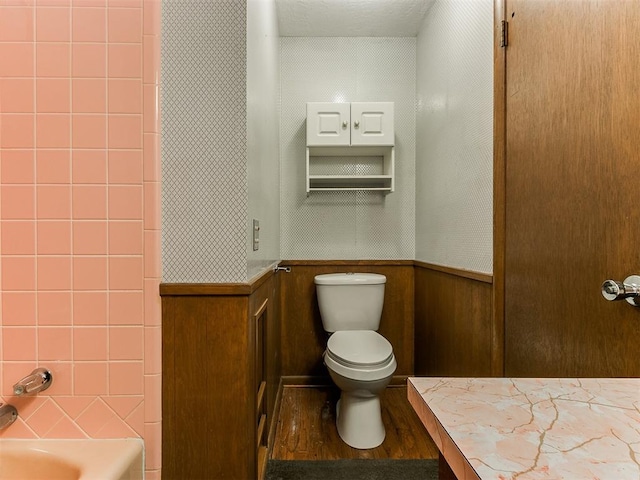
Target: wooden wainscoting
x,y
220,377
453,326
304,340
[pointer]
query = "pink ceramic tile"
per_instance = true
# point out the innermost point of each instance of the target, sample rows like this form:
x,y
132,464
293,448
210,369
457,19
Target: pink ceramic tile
x,y
17,59
54,344
89,95
90,343
54,273
90,202
125,3
90,237
89,273
45,417
126,378
54,237
88,60
17,202
116,428
152,302
53,130
153,396
74,406
152,474
125,131
125,273
54,308
53,95
53,3
18,344
126,308
153,445
152,350
151,117
16,95
90,308
89,166
19,237
151,59
88,24
65,428
95,417
126,343
63,374
125,202
135,420
123,405
125,238
125,25
18,308
53,201
53,166
52,24
90,378
89,3
18,430
125,60
18,273
16,24
152,216
152,253
17,166
151,17
151,159
125,95
53,59
16,130
125,166
89,131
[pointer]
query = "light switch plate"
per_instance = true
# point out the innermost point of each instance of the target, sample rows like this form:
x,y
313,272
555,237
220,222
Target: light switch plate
x,y
256,234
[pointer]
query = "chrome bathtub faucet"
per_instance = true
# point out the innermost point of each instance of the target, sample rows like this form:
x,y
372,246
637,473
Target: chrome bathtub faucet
x,y
39,380
8,415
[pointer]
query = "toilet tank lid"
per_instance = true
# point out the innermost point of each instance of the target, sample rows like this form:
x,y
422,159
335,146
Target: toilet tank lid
x,y
350,278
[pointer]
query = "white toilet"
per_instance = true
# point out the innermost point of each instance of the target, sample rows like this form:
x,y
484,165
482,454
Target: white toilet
x,y
360,361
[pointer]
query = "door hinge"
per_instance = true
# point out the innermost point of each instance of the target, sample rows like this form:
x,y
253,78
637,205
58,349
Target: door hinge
x,y
504,33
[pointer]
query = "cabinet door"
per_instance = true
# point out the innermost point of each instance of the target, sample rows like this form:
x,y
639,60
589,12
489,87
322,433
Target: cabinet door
x,y
372,123
328,124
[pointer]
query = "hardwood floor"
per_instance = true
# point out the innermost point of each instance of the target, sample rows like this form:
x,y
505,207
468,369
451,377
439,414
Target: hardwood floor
x,y
306,428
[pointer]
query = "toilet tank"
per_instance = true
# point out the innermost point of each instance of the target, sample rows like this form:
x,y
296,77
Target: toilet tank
x,y
350,301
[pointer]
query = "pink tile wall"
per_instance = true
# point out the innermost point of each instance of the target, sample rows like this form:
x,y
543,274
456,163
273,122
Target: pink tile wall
x,y
79,217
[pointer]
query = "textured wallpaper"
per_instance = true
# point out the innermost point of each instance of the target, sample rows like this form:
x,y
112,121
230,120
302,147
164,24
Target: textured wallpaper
x,y
204,141
454,163
346,225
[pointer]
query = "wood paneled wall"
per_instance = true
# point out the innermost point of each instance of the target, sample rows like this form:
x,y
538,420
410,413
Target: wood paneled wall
x,y
303,338
453,325
209,376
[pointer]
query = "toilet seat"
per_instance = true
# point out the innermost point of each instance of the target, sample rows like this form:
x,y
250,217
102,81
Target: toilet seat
x,y
360,355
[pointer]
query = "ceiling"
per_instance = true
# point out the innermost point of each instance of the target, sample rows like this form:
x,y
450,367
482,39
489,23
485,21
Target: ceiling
x,y
351,18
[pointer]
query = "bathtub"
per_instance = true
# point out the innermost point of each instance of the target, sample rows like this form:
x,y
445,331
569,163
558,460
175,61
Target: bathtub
x,y
119,459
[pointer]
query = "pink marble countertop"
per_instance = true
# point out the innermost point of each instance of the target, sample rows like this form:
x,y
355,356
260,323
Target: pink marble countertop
x,y
522,428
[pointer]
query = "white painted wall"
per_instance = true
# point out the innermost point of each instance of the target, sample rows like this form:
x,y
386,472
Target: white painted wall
x,y
263,122
454,135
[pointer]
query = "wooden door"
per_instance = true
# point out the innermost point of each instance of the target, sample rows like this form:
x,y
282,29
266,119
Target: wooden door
x,y
572,163
328,124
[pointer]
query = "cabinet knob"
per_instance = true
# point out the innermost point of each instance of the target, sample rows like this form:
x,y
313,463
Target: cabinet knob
x,y
356,124
345,124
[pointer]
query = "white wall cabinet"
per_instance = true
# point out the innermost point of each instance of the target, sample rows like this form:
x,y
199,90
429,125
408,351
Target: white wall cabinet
x,y
350,146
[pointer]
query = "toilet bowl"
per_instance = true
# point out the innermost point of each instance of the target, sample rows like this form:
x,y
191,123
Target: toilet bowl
x,y
361,363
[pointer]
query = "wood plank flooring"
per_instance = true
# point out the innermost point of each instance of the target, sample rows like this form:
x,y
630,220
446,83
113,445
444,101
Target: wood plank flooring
x,y
306,428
